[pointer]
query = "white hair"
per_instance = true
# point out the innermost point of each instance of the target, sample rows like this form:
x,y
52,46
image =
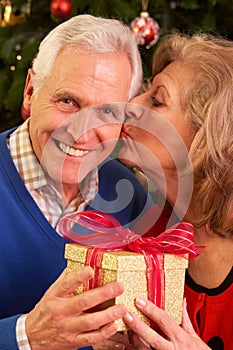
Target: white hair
x,y
94,34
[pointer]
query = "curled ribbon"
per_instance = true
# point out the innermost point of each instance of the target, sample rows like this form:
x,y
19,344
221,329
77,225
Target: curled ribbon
x,y
103,232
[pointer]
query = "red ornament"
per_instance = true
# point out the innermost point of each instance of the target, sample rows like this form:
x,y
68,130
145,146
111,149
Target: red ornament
x,y
145,29
61,8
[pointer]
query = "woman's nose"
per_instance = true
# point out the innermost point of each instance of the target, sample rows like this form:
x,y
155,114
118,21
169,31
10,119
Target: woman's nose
x,y
133,112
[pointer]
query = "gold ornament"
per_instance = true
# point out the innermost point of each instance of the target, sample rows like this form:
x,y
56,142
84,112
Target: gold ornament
x,y
7,17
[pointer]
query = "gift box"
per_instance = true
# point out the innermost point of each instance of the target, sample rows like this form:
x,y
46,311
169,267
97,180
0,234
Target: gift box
x,y
130,268
149,267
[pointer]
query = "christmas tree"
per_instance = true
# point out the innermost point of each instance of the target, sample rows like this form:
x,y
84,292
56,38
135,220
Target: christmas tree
x,y
24,23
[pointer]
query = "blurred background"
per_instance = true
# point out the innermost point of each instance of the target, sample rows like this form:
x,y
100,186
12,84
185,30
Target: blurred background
x,y
23,23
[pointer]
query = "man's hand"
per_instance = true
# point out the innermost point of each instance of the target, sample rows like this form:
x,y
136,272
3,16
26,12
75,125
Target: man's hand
x,y
60,321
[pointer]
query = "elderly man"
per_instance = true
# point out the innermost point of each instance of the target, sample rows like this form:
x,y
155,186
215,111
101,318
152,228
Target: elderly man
x,y
48,168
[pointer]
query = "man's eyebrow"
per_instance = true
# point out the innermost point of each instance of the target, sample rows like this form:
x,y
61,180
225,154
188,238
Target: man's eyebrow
x,y
67,94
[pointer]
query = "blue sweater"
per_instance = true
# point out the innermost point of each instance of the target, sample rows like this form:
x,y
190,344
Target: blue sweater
x,y
31,251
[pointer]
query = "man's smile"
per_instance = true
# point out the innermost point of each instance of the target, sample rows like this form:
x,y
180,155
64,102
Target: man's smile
x,y
71,151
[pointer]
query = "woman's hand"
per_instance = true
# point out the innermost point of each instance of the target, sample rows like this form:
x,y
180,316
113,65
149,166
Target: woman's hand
x,y
175,337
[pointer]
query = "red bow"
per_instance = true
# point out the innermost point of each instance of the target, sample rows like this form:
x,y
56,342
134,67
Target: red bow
x,y
107,234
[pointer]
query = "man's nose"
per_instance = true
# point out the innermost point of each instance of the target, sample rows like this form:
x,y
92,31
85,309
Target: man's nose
x,y
81,126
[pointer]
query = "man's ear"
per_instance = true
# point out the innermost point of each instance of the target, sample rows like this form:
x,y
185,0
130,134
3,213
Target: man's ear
x,y
27,95
28,88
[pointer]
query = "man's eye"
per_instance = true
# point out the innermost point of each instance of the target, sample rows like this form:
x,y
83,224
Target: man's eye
x,y
156,102
107,111
67,101
67,105
111,114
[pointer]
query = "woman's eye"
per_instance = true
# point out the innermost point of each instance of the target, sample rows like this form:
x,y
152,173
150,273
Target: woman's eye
x,y
156,102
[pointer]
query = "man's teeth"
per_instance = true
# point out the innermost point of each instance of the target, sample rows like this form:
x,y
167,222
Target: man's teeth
x,y
71,151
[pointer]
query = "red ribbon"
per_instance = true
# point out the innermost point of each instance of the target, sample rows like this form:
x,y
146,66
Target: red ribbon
x,y
107,234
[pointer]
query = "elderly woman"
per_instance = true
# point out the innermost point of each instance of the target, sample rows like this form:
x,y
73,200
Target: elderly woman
x,y
192,96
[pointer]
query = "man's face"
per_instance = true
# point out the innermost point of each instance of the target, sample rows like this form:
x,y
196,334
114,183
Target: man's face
x,y
79,80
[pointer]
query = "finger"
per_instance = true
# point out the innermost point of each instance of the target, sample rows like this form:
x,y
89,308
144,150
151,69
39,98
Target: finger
x,y
95,320
186,323
148,335
138,342
96,336
96,296
73,309
65,307
161,318
67,282
121,338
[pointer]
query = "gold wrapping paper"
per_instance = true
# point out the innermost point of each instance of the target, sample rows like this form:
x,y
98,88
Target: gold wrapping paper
x,y
129,268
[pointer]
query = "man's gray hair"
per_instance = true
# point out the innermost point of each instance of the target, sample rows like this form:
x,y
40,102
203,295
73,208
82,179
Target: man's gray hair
x,y
94,34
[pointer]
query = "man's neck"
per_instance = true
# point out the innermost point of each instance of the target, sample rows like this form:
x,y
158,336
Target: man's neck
x,y
67,192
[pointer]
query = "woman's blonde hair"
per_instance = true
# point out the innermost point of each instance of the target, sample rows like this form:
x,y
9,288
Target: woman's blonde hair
x,y
208,102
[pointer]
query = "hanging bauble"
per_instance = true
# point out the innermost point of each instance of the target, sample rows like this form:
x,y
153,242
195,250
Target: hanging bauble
x,y
145,29
61,8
